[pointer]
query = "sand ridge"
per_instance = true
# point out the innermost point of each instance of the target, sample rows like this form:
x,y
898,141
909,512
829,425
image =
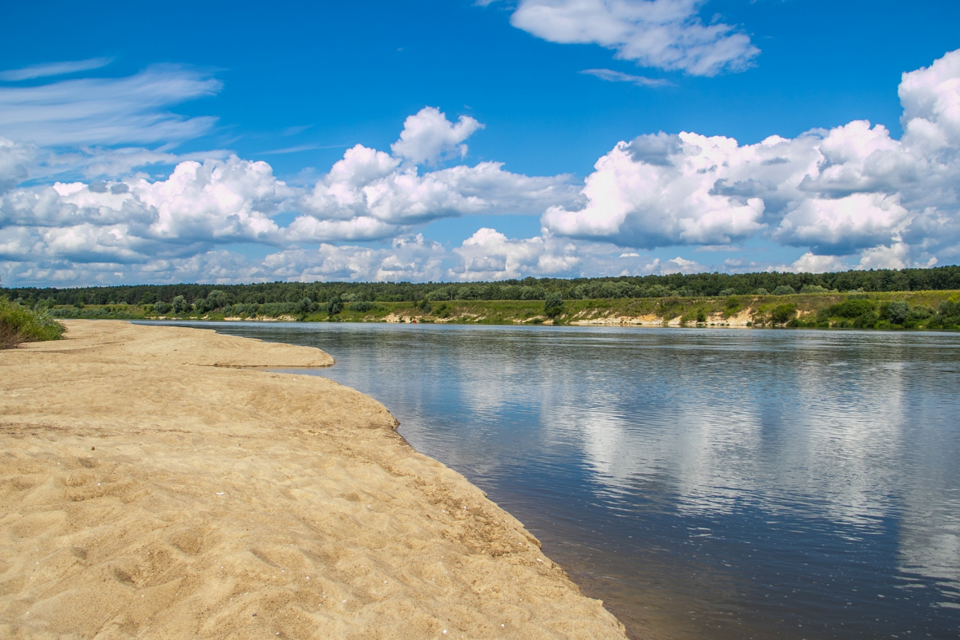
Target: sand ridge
x,y
148,489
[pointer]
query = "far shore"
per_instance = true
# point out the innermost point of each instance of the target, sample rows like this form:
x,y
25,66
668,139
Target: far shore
x,y
155,483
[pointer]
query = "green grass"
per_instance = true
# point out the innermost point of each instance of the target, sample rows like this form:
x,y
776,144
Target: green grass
x,y
808,310
21,324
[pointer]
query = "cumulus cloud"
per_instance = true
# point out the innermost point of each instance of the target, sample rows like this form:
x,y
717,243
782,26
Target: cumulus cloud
x,y
837,192
197,206
371,194
428,137
107,111
667,34
490,255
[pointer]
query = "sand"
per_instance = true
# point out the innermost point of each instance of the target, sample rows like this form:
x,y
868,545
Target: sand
x,y
151,488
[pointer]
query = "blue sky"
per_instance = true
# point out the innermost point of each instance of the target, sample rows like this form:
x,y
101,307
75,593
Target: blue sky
x,y
234,142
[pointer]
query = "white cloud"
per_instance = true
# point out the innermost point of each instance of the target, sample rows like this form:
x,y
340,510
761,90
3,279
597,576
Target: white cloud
x,y
680,265
840,191
667,34
659,191
371,194
617,76
843,225
428,137
106,111
812,263
197,206
53,69
490,255
14,159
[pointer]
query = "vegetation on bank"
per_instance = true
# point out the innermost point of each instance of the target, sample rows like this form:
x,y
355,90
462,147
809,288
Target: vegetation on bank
x,y
699,285
19,323
939,310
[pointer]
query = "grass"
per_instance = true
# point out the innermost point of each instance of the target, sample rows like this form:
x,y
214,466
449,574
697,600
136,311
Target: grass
x,y
22,324
811,310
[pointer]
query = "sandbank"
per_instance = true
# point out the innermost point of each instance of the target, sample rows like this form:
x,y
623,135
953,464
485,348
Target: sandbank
x,y
152,485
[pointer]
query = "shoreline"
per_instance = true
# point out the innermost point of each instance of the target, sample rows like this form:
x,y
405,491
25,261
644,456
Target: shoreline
x,y
154,485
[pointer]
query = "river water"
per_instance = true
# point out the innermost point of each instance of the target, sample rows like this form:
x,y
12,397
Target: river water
x,y
703,483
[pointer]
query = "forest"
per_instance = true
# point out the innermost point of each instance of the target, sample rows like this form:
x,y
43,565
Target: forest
x,y
622,287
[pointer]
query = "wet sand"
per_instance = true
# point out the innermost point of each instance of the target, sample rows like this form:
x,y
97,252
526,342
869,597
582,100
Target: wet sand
x,y
152,485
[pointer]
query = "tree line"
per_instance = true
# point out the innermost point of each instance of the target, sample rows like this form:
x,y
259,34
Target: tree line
x,y
653,286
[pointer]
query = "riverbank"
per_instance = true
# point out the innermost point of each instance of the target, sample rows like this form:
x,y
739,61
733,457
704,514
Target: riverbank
x,y
152,488
938,310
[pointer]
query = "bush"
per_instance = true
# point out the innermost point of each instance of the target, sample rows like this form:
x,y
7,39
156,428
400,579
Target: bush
x,y
868,320
727,292
921,312
162,307
784,290
305,306
553,304
898,312
814,288
364,307
783,313
847,309
762,292
22,324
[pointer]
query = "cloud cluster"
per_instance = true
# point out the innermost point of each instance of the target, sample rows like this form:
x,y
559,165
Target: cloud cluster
x,y
666,34
371,194
851,195
135,221
136,225
837,192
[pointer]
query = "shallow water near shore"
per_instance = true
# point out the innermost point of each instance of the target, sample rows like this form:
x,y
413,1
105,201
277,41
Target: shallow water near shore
x,y
703,483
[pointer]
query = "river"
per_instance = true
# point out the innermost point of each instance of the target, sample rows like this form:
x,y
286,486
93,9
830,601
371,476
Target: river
x,y
702,482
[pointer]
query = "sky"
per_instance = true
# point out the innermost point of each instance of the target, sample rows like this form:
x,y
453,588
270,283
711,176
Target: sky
x,y
460,140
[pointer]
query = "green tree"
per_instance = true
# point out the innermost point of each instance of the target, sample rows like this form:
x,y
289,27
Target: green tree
x,y
180,304
553,304
784,290
216,299
783,313
305,306
898,311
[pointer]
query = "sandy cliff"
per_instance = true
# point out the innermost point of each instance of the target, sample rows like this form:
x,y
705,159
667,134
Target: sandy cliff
x,y
149,488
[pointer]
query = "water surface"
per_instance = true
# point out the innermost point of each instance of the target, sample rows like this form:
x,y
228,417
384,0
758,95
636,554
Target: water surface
x,y
703,483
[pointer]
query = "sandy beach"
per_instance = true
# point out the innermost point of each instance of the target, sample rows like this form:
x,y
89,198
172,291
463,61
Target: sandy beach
x,y
154,484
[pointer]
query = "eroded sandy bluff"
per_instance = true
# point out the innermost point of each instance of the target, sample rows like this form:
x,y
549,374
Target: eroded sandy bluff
x,y
154,486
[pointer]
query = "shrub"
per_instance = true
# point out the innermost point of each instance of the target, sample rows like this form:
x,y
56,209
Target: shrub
x,y
22,324
305,306
847,309
784,290
180,304
553,304
364,307
921,312
762,292
898,311
727,292
783,313
162,307
814,288
868,320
